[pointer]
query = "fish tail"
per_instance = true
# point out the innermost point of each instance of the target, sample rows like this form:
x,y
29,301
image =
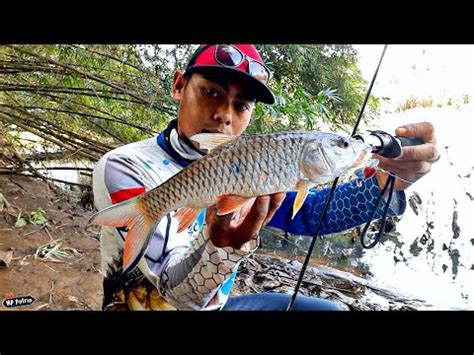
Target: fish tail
x,y
140,228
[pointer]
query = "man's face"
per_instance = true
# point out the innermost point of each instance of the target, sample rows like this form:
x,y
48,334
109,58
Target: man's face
x,y
212,104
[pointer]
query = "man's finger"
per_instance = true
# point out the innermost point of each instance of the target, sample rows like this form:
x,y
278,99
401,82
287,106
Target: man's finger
x,y
275,203
254,220
426,152
423,130
215,221
409,165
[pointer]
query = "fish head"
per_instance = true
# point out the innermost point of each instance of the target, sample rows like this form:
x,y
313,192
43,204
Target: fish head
x,y
326,156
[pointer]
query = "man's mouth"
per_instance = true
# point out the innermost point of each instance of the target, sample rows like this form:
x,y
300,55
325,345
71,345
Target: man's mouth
x,y
211,131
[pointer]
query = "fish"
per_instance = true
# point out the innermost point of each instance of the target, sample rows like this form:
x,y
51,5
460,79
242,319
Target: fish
x,y
235,170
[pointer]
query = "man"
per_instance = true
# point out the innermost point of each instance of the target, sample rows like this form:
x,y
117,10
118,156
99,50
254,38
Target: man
x,y
195,269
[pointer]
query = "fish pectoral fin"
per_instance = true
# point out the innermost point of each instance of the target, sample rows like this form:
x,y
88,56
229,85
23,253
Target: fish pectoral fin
x,y
186,216
230,203
302,188
140,229
209,141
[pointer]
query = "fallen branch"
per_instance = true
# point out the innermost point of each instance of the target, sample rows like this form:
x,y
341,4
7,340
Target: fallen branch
x,y
9,208
33,170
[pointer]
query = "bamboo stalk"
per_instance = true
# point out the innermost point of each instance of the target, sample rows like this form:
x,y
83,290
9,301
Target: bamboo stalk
x,y
47,136
89,76
13,67
51,136
82,139
144,129
108,56
65,90
59,128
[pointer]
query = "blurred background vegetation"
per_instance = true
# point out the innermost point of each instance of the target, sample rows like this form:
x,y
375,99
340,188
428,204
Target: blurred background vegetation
x,y
88,99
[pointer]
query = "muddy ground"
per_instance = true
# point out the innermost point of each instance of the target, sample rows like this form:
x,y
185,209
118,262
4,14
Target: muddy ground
x,y
58,282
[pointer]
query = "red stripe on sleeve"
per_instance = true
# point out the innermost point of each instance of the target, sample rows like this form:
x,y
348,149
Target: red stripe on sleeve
x,y
125,194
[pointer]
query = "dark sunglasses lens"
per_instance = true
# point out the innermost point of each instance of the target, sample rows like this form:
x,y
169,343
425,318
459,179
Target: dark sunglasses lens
x,y
228,55
258,71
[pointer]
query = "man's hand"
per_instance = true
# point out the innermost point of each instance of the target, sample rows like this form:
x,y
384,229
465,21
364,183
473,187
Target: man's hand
x,y
416,160
235,229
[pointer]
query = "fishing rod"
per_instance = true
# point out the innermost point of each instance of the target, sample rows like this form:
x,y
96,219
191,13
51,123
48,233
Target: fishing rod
x,y
383,144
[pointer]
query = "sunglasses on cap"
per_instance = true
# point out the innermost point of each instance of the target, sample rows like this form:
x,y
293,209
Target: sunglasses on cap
x,y
230,56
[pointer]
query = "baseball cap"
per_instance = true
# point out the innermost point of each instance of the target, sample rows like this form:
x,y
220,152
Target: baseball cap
x,y
242,60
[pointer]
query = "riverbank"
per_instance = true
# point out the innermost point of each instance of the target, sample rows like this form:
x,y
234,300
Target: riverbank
x,y
58,262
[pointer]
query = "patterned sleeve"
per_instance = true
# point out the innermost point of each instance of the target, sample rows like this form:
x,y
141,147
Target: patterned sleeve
x,y
351,206
201,277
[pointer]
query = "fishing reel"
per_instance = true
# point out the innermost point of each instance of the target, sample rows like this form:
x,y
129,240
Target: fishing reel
x,y
385,144
388,146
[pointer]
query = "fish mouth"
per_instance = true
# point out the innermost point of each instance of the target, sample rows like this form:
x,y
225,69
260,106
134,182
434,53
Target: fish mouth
x,y
363,156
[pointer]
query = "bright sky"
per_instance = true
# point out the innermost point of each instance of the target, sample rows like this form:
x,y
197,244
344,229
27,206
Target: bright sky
x,y
436,71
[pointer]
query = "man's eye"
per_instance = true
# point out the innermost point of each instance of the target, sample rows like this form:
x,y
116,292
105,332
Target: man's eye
x,y
242,107
211,92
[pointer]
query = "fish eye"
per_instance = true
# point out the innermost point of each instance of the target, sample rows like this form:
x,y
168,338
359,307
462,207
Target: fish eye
x,y
342,143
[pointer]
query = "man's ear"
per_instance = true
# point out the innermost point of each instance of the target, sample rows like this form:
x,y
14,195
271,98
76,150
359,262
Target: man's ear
x,y
179,82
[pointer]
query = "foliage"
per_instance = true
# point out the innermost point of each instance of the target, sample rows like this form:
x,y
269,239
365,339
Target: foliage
x,y
35,217
88,99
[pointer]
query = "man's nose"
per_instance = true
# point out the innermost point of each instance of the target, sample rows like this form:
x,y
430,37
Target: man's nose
x,y
224,114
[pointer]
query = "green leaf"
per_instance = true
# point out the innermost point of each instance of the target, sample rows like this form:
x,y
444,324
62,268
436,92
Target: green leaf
x,y
38,217
20,221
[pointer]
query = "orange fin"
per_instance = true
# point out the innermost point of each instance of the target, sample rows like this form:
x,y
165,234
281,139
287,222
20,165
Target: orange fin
x,y
209,141
140,229
186,216
302,188
230,203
